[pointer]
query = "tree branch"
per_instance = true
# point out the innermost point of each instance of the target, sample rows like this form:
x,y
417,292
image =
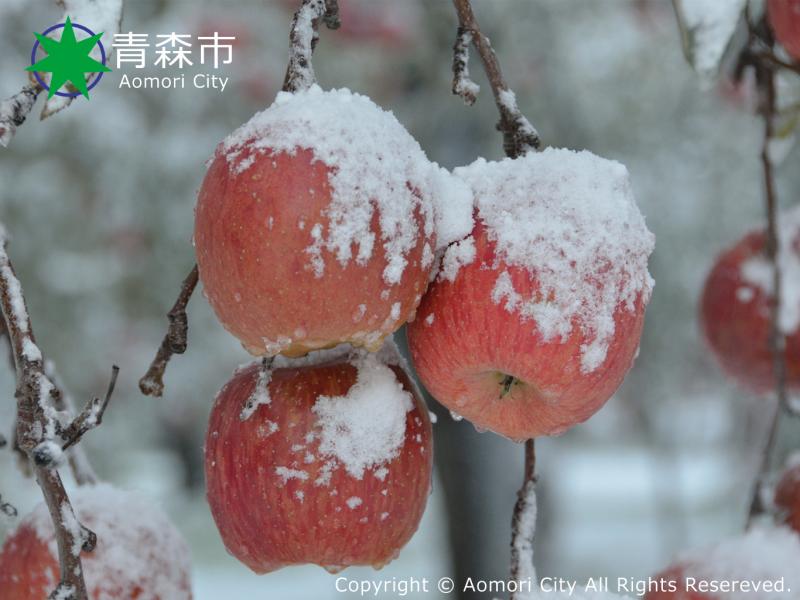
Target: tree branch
x,y
14,111
519,136
174,342
36,430
523,524
303,37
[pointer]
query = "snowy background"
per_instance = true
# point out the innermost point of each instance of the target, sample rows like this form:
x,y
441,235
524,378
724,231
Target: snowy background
x,y
99,202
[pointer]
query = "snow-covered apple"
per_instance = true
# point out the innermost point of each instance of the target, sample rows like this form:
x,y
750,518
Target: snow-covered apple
x,y
784,18
762,563
787,497
315,225
324,460
139,553
535,318
735,311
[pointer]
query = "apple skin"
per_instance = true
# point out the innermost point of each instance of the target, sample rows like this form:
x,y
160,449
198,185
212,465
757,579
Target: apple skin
x,y
787,497
28,570
472,343
784,18
675,575
260,518
252,233
738,331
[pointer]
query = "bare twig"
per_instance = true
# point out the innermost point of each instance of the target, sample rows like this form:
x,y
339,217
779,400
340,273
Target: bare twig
x,y
36,430
760,35
91,416
303,37
174,342
462,84
523,525
519,136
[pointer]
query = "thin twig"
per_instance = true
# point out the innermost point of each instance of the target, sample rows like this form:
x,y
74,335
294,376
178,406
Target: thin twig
x,y
303,37
519,136
91,416
36,424
765,81
174,342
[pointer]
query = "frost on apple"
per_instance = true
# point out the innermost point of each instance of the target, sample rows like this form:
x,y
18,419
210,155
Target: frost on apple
x,y
757,271
569,219
365,428
137,546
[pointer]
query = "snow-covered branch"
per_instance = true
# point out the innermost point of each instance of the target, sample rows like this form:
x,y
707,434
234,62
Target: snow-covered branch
x,y
39,425
519,136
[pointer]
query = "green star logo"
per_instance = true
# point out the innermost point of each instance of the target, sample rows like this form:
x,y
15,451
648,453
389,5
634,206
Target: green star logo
x,y
68,60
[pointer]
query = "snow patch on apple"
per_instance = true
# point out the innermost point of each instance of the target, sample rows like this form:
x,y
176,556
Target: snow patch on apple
x,y
757,271
375,165
570,220
765,553
457,254
365,428
138,547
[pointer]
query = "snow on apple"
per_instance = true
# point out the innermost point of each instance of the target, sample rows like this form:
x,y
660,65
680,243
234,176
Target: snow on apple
x,y
139,553
317,223
344,478
761,564
538,314
735,307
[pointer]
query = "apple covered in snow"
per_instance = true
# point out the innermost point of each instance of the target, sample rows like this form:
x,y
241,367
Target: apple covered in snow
x,y
784,18
324,460
735,311
139,553
760,565
315,225
535,318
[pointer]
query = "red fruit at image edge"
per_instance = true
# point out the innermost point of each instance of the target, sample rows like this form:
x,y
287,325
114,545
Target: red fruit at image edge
x,y
277,494
787,497
139,553
784,18
735,316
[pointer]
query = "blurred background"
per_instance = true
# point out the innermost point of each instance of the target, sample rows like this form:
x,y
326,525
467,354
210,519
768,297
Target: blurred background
x,y
99,202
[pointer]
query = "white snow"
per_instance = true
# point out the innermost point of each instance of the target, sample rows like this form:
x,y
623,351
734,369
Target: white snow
x,y
457,254
765,553
286,474
376,166
757,271
260,395
354,502
366,427
708,27
137,546
569,219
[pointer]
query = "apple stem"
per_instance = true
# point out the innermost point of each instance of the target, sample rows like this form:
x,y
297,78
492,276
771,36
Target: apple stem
x,y
38,429
507,383
759,37
519,136
175,341
303,37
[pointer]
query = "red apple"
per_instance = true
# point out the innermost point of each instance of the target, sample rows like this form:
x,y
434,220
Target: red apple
x,y
735,314
314,225
763,556
527,330
326,463
671,585
784,18
787,497
139,553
